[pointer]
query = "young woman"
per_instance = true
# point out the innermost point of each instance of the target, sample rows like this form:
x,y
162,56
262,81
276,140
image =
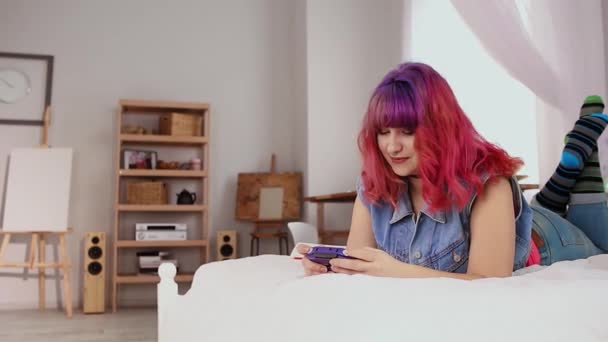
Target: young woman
x,y
434,199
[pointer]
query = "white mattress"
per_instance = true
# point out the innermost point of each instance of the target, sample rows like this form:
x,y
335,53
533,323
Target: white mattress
x,y
267,298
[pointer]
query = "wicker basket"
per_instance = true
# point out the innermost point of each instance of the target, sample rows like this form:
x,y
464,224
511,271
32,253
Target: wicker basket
x,y
147,193
181,124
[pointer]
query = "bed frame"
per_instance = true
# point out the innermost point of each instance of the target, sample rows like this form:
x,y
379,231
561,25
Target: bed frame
x,y
168,297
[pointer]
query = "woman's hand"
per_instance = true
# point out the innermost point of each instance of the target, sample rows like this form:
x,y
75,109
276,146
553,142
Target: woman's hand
x,y
310,268
369,261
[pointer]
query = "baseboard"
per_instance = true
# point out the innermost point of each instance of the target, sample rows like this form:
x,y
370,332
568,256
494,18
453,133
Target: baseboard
x,y
12,306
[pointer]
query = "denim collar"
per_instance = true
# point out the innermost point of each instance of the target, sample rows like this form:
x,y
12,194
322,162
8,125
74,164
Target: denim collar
x,y
404,208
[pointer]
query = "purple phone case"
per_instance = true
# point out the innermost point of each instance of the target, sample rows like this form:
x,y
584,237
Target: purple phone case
x,y
322,255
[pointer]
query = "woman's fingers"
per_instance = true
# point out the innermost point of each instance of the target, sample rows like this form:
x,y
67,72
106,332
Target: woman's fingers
x,y
350,264
312,268
302,248
338,269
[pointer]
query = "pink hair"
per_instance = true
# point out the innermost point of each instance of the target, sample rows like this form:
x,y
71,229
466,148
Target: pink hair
x,y
452,156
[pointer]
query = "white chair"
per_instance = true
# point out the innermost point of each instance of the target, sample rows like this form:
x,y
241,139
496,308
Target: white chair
x,y
302,232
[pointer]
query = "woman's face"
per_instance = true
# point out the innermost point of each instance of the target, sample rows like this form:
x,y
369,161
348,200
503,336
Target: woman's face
x,y
397,147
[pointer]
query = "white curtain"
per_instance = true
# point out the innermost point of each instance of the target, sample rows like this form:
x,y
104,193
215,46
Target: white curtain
x,y
497,104
553,47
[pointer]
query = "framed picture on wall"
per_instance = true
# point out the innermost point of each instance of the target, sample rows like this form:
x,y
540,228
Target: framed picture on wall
x,y
138,159
25,88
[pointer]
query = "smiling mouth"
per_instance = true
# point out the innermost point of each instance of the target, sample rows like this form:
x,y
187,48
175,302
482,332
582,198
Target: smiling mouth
x,y
398,160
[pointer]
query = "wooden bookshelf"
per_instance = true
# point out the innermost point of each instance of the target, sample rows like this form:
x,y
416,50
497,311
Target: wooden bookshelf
x,y
161,208
162,139
198,212
163,173
147,106
150,278
144,244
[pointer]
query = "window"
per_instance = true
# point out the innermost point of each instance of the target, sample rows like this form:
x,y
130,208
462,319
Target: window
x,y
501,108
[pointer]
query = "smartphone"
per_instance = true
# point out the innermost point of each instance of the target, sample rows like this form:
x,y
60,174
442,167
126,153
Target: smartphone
x,y
323,254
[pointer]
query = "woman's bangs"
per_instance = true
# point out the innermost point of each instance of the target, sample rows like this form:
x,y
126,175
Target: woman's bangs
x,y
392,106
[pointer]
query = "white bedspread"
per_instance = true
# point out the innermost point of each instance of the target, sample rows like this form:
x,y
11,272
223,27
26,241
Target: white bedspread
x,y
267,298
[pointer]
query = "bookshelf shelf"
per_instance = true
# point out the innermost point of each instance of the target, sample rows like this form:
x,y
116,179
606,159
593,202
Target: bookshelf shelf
x,y
162,139
161,207
150,278
143,244
163,173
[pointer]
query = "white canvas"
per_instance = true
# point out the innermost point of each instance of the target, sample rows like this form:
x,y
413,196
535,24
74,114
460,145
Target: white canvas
x,y
38,189
271,203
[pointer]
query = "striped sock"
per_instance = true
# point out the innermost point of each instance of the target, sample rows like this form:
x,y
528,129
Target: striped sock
x,y
581,143
593,104
590,180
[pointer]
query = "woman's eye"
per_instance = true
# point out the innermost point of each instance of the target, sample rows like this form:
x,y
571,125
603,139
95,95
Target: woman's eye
x,y
383,131
406,132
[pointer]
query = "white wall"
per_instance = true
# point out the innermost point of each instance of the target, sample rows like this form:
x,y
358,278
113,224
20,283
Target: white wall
x,y
351,44
605,31
235,54
299,89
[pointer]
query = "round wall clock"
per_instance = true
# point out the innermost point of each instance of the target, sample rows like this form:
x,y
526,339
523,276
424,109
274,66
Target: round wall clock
x,y
14,85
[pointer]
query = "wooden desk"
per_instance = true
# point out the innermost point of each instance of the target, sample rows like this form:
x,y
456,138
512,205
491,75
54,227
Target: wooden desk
x,y
326,236
525,187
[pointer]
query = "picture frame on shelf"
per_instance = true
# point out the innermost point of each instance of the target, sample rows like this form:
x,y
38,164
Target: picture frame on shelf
x,y
26,83
139,159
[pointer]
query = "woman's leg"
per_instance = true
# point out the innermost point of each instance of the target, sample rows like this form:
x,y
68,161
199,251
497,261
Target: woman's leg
x,y
557,239
592,219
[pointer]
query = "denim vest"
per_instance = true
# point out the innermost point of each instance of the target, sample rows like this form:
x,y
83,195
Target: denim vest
x,y
439,240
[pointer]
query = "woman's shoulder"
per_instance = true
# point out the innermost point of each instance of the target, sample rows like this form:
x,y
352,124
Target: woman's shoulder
x,y
496,186
492,186
360,189
378,204
496,191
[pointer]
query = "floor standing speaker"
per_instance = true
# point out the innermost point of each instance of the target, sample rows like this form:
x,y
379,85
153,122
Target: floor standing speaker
x,y
94,272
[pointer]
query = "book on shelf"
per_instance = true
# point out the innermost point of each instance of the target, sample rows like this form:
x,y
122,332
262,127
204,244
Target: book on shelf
x,y
139,159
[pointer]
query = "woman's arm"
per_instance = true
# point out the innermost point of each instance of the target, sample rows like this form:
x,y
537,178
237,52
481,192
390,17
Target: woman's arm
x,y
361,233
493,231
492,243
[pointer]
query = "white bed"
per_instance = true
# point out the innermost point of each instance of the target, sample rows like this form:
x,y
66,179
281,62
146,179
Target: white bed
x,y
267,298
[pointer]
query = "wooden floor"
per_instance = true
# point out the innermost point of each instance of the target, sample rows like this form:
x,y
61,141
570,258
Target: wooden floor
x,y
33,326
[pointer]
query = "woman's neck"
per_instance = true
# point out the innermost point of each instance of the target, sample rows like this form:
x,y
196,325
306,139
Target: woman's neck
x,y
415,191
414,185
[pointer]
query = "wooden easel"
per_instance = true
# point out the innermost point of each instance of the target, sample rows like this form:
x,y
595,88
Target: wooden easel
x,y
38,248
276,226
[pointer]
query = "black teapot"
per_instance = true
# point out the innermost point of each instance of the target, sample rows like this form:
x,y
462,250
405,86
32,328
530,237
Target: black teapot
x,y
186,197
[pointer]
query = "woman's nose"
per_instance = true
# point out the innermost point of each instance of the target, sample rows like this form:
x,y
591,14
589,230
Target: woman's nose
x,y
394,147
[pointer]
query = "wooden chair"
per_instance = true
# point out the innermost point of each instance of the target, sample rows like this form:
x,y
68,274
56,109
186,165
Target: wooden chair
x,y
277,231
